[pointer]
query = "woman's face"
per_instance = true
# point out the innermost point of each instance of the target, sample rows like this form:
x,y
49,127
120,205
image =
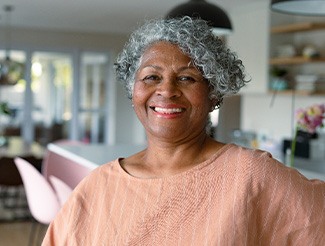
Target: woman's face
x,y
170,95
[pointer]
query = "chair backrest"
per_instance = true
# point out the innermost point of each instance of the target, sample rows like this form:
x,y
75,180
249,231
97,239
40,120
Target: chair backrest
x,y
68,171
42,200
63,191
46,173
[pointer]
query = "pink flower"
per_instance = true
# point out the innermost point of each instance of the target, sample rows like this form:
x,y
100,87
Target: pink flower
x,y
311,118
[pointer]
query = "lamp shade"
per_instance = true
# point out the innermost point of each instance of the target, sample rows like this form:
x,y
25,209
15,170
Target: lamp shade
x,y
299,7
214,15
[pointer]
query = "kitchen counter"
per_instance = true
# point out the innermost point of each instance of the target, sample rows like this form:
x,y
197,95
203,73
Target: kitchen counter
x,y
310,168
94,155
311,165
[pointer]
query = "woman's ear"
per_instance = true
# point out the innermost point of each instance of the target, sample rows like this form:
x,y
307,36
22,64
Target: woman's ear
x,y
216,103
213,104
216,98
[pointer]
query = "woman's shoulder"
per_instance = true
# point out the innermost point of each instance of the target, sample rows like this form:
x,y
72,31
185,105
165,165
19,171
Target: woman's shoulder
x,y
99,176
104,169
254,164
264,171
248,152
244,155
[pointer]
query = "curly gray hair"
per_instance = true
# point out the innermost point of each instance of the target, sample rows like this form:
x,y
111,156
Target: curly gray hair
x,y
221,67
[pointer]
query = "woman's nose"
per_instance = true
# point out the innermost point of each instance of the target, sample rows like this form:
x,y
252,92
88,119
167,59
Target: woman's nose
x,y
168,88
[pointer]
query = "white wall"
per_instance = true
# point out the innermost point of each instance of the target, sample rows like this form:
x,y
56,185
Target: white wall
x,y
45,39
250,40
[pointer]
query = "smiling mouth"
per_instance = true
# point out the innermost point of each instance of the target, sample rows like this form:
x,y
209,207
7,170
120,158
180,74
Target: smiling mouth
x,y
167,110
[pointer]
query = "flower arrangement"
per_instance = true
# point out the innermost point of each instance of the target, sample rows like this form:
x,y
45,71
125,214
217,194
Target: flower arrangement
x,y
308,120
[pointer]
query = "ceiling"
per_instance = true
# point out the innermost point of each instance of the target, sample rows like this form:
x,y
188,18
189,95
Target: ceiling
x,y
120,16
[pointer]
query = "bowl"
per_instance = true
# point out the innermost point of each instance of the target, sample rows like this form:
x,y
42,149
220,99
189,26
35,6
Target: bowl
x,y
306,78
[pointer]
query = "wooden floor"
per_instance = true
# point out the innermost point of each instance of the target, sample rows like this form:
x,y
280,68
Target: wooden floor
x,y
16,220
17,233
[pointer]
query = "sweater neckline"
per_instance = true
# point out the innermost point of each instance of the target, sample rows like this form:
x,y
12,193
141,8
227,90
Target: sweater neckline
x,y
193,169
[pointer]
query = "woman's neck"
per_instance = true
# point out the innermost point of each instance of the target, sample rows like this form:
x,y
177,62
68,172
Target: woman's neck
x,y
162,159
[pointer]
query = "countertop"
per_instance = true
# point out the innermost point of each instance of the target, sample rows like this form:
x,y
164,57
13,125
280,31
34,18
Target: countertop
x,y
94,155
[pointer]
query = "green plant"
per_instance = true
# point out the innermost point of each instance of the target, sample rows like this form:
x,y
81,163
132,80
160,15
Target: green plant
x,y
278,71
4,108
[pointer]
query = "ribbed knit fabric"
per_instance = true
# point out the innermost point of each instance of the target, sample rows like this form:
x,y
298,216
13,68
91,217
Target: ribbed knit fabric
x,y
237,197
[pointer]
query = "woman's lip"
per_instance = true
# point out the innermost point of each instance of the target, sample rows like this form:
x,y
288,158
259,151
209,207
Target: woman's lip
x,y
167,105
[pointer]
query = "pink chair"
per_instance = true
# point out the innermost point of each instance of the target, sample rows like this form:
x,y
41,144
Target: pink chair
x,y
43,201
62,190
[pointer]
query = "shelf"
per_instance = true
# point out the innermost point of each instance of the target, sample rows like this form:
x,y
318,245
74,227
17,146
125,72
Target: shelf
x,y
298,92
298,27
294,60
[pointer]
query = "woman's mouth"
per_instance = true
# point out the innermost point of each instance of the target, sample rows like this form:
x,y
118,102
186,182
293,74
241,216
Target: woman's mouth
x,y
167,110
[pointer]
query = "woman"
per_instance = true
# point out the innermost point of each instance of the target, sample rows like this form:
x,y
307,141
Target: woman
x,y
186,188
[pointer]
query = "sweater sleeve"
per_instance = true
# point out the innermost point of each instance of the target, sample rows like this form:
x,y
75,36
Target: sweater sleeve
x,y
290,209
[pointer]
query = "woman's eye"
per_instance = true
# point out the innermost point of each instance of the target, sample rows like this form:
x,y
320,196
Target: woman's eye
x,y
186,79
151,78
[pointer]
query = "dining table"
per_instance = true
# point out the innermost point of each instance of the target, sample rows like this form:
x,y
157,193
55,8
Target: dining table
x,y
16,146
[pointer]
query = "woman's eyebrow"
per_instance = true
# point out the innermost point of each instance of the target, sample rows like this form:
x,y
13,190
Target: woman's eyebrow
x,y
190,66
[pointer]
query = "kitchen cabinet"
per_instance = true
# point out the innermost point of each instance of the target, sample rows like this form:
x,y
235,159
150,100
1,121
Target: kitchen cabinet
x,y
297,62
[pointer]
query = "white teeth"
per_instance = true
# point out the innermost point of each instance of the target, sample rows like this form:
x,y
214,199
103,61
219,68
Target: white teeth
x,y
168,110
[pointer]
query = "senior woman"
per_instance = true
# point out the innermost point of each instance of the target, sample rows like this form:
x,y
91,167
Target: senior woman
x,y
186,188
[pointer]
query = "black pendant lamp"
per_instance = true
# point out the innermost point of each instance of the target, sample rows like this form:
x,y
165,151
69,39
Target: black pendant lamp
x,y
216,17
299,7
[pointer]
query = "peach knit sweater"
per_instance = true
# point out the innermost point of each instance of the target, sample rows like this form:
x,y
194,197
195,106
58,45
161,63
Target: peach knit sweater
x,y
237,197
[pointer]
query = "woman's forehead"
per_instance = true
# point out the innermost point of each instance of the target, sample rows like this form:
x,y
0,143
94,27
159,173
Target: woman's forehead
x,y
165,50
